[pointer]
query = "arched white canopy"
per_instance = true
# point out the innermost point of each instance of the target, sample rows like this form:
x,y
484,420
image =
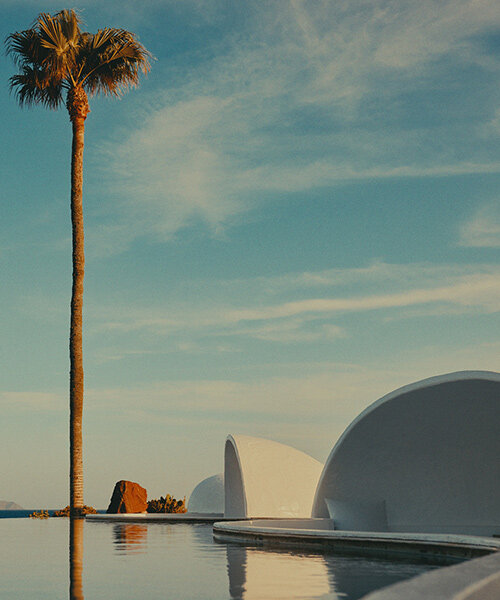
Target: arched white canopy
x,y
267,479
424,458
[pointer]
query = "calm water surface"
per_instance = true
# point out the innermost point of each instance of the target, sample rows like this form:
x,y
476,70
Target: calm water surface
x,y
178,561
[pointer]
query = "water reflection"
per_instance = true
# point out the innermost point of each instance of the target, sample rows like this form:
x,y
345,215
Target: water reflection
x,y
354,577
75,559
252,573
130,538
278,574
256,574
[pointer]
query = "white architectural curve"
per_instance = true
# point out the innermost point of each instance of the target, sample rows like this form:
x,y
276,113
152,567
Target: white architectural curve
x,y
424,458
208,496
267,479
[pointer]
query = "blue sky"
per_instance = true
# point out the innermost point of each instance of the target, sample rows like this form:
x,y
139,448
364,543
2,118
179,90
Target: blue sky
x,y
296,212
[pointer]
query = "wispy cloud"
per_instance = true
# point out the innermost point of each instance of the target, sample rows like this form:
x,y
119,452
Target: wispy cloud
x,y
408,291
482,292
331,392
298,307
483,230
309,94
32,401
290,331
324,394
377,274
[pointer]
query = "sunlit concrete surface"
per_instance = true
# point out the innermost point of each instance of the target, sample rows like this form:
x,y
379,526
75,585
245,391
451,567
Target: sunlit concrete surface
x,y
208,496
319,534
189,517
478,579
424,458
263,478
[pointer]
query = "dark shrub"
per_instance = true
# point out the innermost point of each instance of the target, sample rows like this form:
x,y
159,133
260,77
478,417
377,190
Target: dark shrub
x,y
64,512
167,505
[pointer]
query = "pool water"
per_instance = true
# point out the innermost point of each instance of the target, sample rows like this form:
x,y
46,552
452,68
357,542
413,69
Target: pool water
x,y
179,561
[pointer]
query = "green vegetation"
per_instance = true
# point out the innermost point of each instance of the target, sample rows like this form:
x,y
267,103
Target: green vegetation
x,y
167,505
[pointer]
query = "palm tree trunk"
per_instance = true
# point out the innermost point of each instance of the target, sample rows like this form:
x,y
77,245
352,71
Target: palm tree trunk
x,y
75,337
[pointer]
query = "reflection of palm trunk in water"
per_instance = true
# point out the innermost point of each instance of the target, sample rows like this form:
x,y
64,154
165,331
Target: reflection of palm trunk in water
x,y
75,559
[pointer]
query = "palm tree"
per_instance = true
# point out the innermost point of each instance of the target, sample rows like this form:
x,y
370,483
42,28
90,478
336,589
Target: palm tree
x,y
53,57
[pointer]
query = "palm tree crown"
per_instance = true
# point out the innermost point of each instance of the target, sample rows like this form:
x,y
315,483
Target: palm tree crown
x,y
55,55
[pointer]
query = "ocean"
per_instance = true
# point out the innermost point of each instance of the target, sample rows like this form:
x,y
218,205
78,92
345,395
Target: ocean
x,y
21,514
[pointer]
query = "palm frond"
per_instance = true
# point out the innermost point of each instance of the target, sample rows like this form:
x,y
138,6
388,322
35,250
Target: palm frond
x,y
70,22
51,35
113,58
101,37
32,86
24,47
59,35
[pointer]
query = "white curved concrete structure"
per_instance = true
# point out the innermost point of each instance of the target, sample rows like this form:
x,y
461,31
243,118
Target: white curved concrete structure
x,y
267,479
208,496
425,458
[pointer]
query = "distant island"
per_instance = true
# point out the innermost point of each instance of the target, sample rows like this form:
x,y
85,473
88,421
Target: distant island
x,y
6,505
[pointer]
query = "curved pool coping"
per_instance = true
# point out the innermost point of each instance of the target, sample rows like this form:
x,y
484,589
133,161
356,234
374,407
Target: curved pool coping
x,y
317,534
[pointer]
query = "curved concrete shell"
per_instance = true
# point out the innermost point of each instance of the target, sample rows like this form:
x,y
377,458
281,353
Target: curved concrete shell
x,y
267,479
208,496
424,458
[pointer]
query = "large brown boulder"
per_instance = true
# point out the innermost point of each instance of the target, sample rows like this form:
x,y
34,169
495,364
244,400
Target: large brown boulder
x,y
128,497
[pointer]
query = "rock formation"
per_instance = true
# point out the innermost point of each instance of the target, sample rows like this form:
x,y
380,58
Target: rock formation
x,y
128,497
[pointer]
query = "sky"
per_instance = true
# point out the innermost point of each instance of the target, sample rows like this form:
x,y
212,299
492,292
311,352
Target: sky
x,y
295,213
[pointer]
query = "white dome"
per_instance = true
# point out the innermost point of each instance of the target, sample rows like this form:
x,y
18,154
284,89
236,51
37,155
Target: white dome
x,y
208,496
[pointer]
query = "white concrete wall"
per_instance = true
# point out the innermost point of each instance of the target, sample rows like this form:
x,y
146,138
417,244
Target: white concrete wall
x,y
427,455
267,479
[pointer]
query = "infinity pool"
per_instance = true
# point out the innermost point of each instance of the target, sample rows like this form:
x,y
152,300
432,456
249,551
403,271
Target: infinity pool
x,y
174,561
